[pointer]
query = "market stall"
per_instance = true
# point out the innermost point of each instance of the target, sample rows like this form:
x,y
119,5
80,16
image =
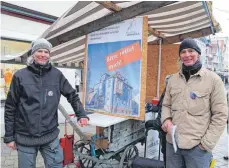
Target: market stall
x,y
124,48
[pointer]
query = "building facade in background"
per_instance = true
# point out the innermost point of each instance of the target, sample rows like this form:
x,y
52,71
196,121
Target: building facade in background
x,y
202,44
20,26
214,53
219,51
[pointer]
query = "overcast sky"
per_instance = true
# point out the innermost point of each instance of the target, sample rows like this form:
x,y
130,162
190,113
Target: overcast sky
x,y
221,14
55,8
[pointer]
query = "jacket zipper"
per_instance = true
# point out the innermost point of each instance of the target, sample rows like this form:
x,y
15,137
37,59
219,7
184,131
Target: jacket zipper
x,y
45,97
39,123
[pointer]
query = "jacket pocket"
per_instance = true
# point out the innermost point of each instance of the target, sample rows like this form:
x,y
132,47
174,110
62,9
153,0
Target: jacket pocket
x,y
176,99
200,104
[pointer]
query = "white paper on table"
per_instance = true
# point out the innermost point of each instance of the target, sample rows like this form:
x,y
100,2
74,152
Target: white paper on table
x,y
173,129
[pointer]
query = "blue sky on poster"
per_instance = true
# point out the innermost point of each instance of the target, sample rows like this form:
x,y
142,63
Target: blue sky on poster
x,y
102,50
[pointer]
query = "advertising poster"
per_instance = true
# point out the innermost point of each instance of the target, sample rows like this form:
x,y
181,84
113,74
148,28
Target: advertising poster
x,y
113,69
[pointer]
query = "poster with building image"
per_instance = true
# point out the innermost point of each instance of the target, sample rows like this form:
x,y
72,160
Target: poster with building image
x,y
114,62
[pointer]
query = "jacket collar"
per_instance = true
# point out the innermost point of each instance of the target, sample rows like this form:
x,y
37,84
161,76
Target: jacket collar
x,y
40,69
200,73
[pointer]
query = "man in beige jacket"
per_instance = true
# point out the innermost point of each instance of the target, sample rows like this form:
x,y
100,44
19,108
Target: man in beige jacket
x,y
195,102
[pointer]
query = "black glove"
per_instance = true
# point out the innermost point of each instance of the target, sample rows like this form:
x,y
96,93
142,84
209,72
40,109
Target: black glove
x,y
154,124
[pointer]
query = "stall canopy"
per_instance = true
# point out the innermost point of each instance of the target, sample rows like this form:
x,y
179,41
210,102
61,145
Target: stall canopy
x,y
170,21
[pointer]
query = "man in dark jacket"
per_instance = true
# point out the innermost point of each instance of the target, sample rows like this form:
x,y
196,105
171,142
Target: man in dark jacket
x,y
31,109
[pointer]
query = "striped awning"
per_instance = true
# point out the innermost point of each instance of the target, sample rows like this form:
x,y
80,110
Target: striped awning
x,y
170,20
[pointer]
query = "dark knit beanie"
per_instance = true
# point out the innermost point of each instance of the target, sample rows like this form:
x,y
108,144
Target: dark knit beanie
x,y
189,43
40,44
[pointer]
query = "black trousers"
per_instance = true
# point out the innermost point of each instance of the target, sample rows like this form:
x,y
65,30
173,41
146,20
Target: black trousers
x,y
162,136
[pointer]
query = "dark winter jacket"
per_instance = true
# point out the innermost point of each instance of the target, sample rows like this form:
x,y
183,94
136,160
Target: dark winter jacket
x,y
32,102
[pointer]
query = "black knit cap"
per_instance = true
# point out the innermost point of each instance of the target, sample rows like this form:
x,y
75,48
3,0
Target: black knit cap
x,y
189,43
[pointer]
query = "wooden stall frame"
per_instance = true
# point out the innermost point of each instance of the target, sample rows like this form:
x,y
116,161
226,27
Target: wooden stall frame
x,y
144,68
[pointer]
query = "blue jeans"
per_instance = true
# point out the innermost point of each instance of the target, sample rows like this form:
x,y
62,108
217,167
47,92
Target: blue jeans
x,y
52,154
187,158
